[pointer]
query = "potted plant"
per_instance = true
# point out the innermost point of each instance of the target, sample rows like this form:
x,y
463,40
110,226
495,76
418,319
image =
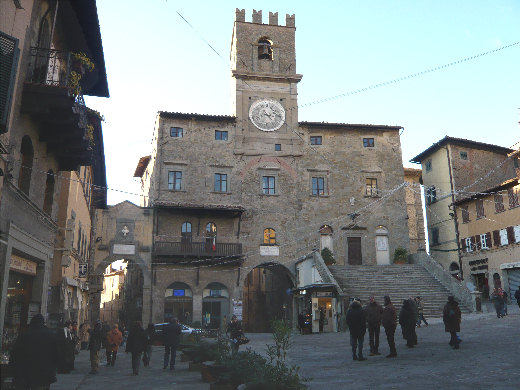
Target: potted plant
x,y
400,256
328,256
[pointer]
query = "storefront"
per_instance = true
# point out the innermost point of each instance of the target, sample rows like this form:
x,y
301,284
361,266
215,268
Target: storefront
x,y
319,304
178,302
512,276
215,306
20,308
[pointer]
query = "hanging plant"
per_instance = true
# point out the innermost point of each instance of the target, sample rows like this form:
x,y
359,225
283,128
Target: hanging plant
x,y
79,65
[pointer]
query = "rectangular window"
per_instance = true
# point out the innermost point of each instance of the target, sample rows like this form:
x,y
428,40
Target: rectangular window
x,y
176,132
483,242
221,135
469,246
220,182
435,236
371,187
8,66
277,147
503,237
465,214
175,180
318,186
368,142
431,194
268,185
513,198
516,230
499,203
479,205
316,140
463,155
428,165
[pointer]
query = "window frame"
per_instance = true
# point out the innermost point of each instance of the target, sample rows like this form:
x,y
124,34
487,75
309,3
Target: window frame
x,y
428,165
370,190
469,245
463,155
479,208
172,184
186,236
313,139
269,236
369,143
219,135
464,211
220,181
499,203
483,241
268,188
503,237
316,191
178,134
513,198
277,147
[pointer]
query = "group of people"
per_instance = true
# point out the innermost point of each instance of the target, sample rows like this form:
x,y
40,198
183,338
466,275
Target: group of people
x,y
499,298
411,315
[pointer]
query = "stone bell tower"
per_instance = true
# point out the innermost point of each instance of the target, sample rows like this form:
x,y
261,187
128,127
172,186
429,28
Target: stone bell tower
x,y
263,66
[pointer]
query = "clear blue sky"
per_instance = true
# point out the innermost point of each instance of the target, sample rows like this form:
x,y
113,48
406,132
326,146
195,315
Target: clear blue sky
x,y
155,61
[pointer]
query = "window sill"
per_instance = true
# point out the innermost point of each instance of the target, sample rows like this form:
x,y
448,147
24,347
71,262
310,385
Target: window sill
x,y
221,192
262,194
371,196
318,196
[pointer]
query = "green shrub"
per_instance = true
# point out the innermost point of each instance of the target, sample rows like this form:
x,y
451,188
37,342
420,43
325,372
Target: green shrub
x,y
400,256
327,256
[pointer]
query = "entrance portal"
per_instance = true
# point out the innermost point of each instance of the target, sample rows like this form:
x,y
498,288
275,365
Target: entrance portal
x,y
178,303
215,306
267,296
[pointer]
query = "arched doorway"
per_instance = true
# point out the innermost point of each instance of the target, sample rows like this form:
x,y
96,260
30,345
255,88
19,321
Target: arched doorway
x,y
267,296
178,302
215,306
382,251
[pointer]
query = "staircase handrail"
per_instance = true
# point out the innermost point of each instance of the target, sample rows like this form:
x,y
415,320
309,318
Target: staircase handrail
x,y
323,270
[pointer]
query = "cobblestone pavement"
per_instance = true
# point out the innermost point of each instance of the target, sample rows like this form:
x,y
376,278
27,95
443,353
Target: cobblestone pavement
x,y
488,359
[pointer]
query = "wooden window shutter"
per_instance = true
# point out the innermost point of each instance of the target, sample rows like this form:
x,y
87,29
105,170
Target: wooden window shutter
x,y
510,234
8,64
496,237
478,245
473,243
488,240
463,245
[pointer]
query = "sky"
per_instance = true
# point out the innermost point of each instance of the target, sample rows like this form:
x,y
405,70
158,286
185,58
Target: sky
x,y
156,61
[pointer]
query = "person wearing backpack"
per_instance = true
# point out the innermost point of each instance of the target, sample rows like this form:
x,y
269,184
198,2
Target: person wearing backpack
x,y
451,317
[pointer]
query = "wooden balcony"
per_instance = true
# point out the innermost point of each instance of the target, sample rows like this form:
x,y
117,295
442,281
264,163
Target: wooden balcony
x,y
200,252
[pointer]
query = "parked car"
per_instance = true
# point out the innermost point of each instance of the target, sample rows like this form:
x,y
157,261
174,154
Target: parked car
x,y
157,338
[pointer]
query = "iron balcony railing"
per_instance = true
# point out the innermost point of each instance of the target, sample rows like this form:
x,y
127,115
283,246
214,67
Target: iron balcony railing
x,y
54,68
197,249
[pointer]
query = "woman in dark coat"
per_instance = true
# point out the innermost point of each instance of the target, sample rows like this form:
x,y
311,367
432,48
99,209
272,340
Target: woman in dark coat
x,y
407,322
451,317
136,344
66,354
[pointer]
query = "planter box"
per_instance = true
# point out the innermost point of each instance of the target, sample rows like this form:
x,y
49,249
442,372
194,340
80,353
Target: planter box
x,y
194,366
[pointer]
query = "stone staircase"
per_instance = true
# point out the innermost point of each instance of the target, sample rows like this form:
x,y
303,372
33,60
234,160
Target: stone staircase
x,y
398,281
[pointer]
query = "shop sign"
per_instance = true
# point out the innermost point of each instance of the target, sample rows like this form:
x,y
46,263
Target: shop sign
x,y
237,308
268,250
22,265
324,294
83,268
123,249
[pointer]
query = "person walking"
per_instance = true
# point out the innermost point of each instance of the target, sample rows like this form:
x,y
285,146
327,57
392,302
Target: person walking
x,y
420,312
373,312
94,346
504,297
517,296
105,328
407,321
66,354
498,301
171,338
451,317
357,325
234,329
389,321
34,357
83,335
147,355
136,344
114,340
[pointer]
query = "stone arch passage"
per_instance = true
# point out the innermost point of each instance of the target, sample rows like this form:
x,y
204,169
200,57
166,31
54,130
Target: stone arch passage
x,y
267,295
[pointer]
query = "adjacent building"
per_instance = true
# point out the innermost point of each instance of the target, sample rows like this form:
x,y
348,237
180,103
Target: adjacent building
x,y
51,55
239,198
414,209
454,169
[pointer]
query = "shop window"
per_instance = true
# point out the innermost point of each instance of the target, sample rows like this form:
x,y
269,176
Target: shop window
x,y
499,203
269,236
49,193
27,152
265,49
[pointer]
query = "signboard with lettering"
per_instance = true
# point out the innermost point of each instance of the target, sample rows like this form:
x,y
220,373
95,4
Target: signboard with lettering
x,y
268,250
237,308
123,249
24,266
83,268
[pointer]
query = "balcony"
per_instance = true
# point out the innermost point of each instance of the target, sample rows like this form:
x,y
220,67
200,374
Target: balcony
x,y
177,252
52,96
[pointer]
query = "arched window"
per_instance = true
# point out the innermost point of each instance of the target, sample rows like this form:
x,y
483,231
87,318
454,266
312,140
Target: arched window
x,y
269,236
27,151
186,232
49,193
211,237
265,49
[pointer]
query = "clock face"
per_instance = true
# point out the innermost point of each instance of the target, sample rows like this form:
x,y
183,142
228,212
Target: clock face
x,y
267,115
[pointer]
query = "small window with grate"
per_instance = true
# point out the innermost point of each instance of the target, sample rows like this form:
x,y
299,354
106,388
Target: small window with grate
x,y
463,155
316,139
277,147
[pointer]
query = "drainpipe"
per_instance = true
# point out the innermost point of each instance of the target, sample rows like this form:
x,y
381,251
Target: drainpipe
x,y
455,219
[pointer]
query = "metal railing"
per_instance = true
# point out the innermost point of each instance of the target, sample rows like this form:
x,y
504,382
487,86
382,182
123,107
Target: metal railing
x,y
199,249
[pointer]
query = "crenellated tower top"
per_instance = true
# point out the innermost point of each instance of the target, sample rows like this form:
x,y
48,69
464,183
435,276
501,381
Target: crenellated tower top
x,y
256,17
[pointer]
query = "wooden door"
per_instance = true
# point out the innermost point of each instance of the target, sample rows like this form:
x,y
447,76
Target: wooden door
x,y
354,250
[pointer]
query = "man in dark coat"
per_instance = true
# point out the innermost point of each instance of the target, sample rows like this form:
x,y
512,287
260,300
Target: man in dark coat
x,y
34,356
171,339
373,311
94,346
451,317
357,325
235,331
389,321
66,354
407,321
136,344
